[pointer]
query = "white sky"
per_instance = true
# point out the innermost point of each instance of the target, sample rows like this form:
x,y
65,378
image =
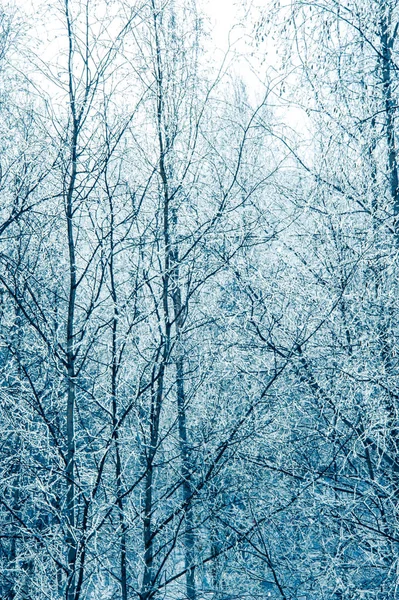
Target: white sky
x,y
229,25
230,20
232,26
223,14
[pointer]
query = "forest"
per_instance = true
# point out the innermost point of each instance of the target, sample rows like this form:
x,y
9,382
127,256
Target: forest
x,y
199,300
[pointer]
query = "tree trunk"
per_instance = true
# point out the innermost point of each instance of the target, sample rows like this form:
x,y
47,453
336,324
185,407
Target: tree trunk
x,y
70,366
387,41
115,434
187,467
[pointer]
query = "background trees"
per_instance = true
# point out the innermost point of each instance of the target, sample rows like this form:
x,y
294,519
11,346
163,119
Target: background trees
x,y
345,63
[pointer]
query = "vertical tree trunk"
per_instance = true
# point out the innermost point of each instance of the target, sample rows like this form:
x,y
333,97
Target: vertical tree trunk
x,y
70,467
386,323
156,403
172,287
70,366
115,434
164,350
184,445
387,40
13,549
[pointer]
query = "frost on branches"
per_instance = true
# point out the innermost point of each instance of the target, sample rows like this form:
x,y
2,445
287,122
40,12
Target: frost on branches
x,y
199,300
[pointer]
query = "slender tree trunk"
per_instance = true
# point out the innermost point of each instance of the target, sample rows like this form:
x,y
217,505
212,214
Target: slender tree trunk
x,y
386,322
13,549
71,393
156,403
147,530
171,286
70,467
157,394
387,41
187,466
115,435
